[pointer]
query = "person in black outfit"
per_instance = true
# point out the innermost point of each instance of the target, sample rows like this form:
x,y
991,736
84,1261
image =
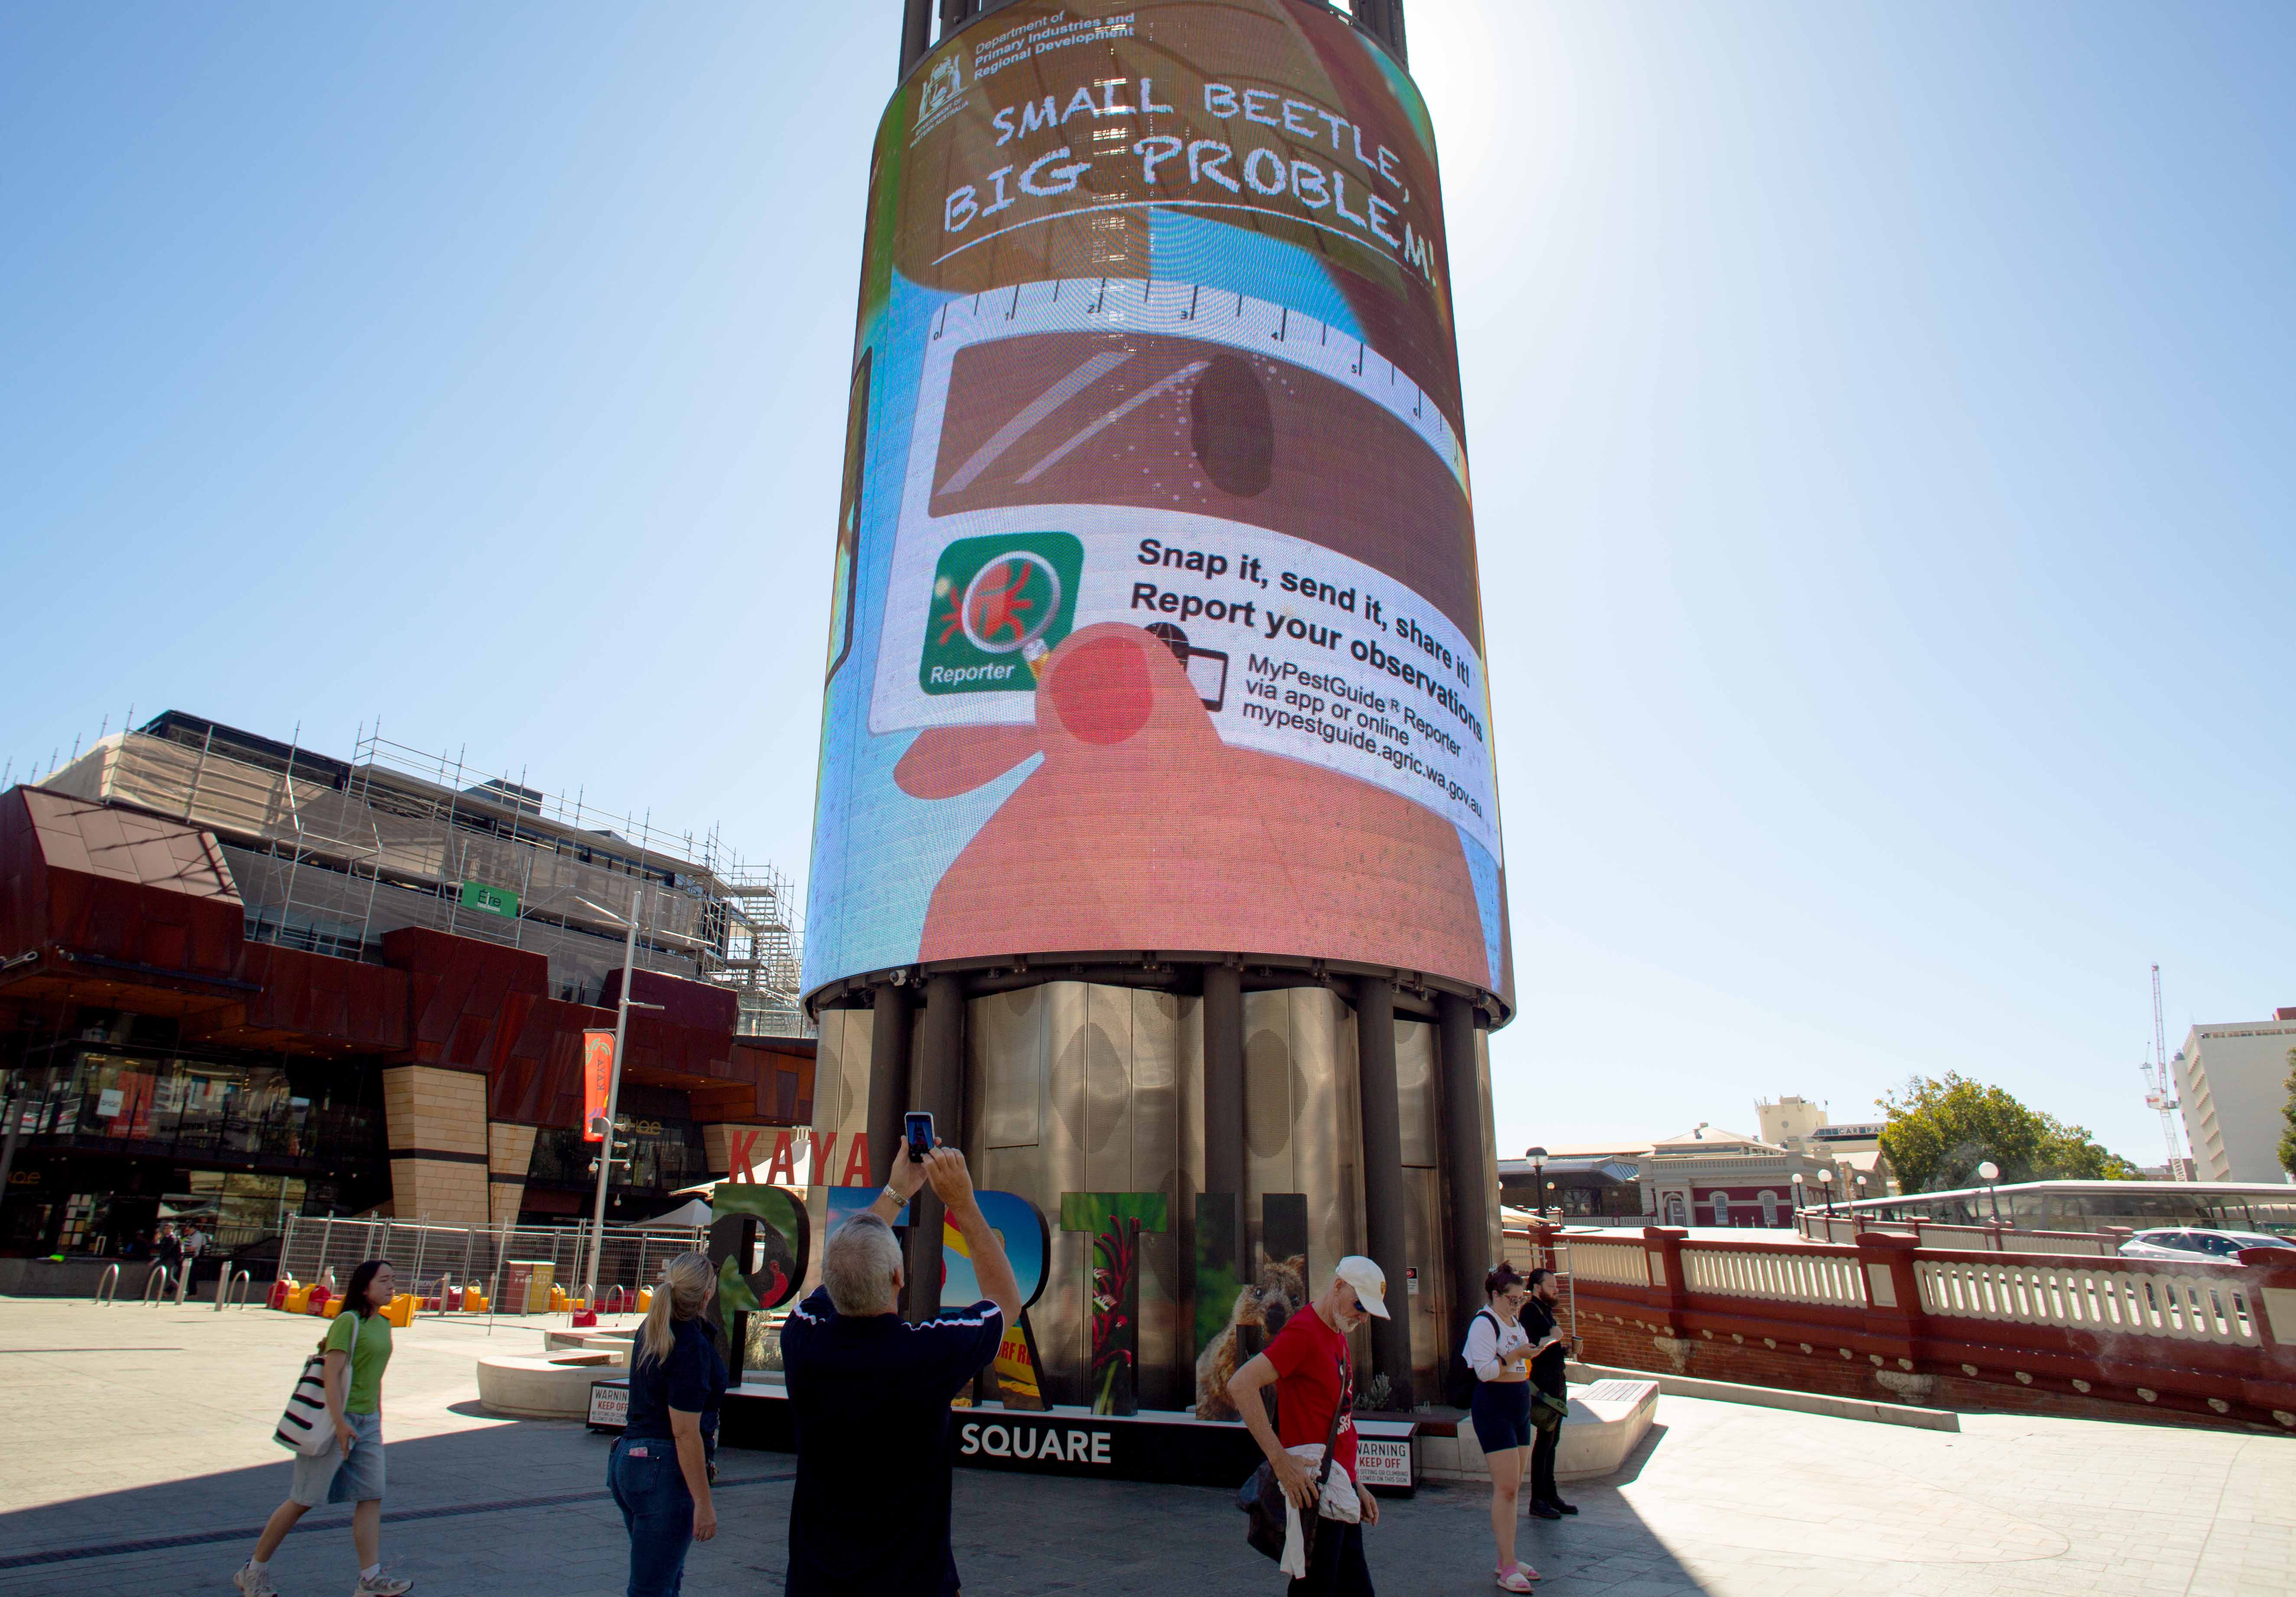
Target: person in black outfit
x,y
1547,1375
869,1516
659,1469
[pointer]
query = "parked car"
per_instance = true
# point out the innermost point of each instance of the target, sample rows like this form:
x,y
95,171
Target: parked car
x,y
2184,1246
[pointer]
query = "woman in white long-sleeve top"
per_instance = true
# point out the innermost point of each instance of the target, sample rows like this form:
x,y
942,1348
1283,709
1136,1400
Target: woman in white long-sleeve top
x,y
1499,1350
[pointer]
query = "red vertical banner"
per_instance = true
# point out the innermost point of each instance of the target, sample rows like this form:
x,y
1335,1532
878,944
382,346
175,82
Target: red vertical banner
x,y
597,1075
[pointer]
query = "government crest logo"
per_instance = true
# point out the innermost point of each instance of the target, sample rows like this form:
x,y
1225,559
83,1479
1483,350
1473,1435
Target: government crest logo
x,y
943,84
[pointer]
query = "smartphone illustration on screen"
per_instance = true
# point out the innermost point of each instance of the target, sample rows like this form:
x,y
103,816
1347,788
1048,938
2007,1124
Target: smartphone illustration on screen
x,y
919,1131
1207,668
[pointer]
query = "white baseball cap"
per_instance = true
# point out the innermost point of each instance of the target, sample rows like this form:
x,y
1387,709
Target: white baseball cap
x,y
1369,1280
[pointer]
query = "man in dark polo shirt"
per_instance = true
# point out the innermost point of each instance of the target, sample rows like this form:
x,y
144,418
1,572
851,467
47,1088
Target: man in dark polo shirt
x,y
871,1510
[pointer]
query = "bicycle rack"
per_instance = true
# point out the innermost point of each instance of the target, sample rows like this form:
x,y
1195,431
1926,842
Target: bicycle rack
x,y
155,1286
183,1285
109,1286
230,1281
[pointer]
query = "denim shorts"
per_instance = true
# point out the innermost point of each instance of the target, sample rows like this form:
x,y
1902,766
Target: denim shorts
x,y
332,1477
1502,1414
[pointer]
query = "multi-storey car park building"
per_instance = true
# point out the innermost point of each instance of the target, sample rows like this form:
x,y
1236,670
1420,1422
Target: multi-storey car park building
x,y
240,979
2233,1079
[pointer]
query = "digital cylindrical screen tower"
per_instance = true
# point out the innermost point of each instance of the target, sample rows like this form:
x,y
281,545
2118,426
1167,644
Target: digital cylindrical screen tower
x,y
1157,844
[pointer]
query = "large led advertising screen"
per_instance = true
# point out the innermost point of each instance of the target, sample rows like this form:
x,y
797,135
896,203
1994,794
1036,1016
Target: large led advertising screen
x,y
1156,622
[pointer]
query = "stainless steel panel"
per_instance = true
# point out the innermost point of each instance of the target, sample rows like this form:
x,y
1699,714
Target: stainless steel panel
x,y
1325,1126
1156,1026
1267,1099
840,1104
841,1072
1108,1082
1420,1114
1061,1319
1187,1182
1302,1120
1189,1064
1005,1041
1431,1347
1107,1059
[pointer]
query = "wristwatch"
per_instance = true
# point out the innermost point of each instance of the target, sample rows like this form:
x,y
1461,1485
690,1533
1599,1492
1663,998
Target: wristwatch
x,y
896,1196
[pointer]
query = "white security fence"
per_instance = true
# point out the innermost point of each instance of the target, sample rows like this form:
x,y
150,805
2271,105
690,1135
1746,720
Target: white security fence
x,y
436,1262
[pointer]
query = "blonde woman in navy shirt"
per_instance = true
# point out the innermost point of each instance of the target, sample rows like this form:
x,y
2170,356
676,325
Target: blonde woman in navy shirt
x,y
660,1467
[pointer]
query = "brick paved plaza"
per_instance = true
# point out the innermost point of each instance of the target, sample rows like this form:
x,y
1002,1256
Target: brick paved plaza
x,y
129,1425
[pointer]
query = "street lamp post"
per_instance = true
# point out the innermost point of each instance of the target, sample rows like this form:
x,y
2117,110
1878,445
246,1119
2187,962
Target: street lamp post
x,y
613,1091
1537,1158
1800,1198
1825,1180
1988,1173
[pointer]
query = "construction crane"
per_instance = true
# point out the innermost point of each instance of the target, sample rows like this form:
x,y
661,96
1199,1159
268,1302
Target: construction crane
x,y
2161,1085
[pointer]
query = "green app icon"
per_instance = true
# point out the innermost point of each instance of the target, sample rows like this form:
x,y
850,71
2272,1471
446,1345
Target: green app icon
x,y
999,604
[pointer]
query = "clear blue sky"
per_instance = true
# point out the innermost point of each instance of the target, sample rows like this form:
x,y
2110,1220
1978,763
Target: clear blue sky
x,y
1881,419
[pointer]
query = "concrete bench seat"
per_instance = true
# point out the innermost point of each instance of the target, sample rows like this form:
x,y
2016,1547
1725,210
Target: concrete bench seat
x,y
528,1387
1608,1421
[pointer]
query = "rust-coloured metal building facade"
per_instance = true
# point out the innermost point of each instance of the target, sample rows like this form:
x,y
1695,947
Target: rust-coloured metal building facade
x,y
164,1063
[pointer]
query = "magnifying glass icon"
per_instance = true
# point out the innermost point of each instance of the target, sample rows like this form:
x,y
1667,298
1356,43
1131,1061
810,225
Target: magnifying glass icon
x,y
1010,604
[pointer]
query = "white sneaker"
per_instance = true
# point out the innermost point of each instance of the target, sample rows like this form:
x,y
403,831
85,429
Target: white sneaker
x,y
248,1583
381,1585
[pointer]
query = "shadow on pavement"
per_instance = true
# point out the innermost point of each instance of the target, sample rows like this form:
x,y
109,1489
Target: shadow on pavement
x,y
521,1507
429,1477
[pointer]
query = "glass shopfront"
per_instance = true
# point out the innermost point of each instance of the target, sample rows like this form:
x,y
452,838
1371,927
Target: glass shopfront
x,y
116,1141
114,1101
664,1155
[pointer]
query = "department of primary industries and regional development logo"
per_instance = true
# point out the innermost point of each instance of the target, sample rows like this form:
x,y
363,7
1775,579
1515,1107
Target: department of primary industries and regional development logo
x,y
999,605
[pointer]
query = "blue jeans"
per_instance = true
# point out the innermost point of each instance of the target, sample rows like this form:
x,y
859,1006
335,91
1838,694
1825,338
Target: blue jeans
x,y
657,1510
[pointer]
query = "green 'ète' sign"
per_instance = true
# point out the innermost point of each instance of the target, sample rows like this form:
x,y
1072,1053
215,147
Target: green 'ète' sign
x,y
495,901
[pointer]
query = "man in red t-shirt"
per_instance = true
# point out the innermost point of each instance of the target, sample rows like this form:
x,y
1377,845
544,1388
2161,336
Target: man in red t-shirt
x,y
1308,1366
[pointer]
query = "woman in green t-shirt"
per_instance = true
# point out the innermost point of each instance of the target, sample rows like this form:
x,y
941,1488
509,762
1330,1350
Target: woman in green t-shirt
x,y
358,1347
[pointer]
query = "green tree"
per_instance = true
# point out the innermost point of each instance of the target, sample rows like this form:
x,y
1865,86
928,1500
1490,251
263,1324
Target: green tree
x,y
1939,1131
2288,1113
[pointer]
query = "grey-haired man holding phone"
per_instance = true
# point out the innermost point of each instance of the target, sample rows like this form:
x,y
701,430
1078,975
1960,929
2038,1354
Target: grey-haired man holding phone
x,y
870,1512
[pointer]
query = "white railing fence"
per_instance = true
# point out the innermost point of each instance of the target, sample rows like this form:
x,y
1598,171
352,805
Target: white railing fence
x,y
2185,1305
1785,1276
1613,1264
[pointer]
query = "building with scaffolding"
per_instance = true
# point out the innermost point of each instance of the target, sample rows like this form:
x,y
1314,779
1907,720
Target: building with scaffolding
x,y
241,978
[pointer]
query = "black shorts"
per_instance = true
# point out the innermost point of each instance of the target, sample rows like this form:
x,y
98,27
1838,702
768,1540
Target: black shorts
x,y
1502,1414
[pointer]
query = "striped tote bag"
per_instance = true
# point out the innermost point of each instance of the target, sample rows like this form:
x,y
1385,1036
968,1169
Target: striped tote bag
x,y
305,1429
